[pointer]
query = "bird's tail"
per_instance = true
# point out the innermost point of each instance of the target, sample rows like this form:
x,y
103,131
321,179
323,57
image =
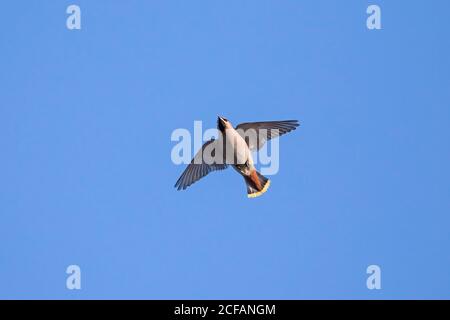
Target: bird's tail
x,y
256,183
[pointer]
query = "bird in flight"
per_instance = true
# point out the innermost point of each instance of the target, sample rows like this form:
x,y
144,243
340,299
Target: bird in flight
x,y
234,147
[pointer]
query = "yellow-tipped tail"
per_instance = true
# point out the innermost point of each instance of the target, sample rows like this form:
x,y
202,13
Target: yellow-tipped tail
x,y
258,193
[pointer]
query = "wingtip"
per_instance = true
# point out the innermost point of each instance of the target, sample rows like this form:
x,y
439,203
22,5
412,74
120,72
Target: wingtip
x,y
295,123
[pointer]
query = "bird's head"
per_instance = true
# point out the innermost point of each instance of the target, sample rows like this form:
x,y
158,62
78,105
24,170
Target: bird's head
x,y
223,123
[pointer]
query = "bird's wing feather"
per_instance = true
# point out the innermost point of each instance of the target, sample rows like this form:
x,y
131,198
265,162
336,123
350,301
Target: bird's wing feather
x,y
257,133
199,167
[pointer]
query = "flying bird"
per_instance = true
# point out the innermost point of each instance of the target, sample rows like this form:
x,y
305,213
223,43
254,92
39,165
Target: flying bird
x,y
234,147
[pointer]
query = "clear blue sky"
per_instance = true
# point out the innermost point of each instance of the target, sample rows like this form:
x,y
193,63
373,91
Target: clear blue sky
x,y
86,176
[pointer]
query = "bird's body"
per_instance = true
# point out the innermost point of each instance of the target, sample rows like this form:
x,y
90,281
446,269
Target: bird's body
x,y
238,147
234,147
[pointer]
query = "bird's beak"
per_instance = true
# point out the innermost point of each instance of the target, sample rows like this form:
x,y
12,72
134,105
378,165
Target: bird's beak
x,y
220,119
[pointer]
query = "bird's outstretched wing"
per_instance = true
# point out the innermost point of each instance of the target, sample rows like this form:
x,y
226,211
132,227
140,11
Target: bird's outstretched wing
x,y
257,133
198,168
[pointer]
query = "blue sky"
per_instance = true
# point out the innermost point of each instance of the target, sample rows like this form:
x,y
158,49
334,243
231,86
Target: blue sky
x,y
86,176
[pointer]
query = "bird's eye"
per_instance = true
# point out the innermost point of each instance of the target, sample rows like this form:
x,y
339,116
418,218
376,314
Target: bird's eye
x,y
224,119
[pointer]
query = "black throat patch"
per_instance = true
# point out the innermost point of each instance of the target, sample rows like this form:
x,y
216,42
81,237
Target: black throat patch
x,y
220,126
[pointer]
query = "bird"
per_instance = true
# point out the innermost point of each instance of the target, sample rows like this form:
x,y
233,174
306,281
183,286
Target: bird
x,y
234,147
